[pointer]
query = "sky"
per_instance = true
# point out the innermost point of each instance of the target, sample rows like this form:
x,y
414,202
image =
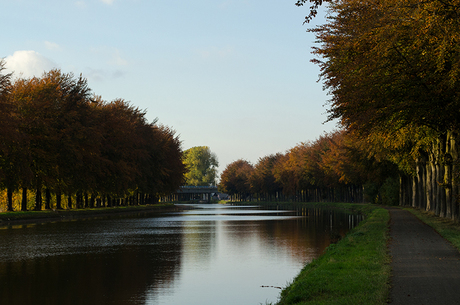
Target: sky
x,y
234,75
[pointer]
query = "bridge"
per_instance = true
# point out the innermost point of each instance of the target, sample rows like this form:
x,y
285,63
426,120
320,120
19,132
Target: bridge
x,y
193,193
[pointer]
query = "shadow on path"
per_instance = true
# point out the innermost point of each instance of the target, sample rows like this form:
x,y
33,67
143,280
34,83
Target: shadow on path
x,y
425,267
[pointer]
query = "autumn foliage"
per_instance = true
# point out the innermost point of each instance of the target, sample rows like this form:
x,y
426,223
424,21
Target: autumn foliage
x,y
332,168
392,69
59,140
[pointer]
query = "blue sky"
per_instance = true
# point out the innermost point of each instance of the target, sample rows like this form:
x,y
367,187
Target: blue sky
x,y
234,75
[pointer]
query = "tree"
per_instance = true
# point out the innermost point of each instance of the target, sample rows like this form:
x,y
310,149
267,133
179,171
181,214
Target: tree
x,y
263,181
9,137
392,69
235,178
315,4
54,113
60,138
201,166
391,64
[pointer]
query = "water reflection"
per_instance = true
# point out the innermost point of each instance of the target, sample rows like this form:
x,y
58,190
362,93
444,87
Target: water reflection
x,y
212,254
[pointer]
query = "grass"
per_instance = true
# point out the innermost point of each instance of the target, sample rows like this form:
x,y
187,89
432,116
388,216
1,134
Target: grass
x,y
356,270
447,228
7,218
357,208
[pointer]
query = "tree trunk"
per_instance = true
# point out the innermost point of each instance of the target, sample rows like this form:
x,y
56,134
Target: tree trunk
x,y
438,180
420,184
434,186
79,200
429,183
9,195
47,199
454,184
24,199
58,200
414,192
38,200
91,201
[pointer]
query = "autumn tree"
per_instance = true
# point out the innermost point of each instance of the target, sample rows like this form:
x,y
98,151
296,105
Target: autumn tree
x,y
263,181
235,179
9,137
389,64
164,170
60,139
393,66
201,166
53,113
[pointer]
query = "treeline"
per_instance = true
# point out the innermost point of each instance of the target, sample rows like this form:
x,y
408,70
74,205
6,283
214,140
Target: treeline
x,y
392,69
334,168
68,148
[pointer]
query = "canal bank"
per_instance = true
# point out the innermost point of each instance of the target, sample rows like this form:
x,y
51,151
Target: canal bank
x,y
30,217
355,270
386,259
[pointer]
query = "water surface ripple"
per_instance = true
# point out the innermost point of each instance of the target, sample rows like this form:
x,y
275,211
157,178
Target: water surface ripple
x,y
207,254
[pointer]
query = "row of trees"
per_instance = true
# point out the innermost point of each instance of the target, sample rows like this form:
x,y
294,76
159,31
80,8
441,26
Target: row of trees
x,y
335,167
392,69
58,138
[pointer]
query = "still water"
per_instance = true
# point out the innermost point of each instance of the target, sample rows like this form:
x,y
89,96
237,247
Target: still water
x,y
206,254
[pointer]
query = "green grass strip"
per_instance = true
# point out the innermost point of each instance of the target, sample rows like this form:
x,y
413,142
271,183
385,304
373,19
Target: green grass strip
x,y
7,217
447,228
356,270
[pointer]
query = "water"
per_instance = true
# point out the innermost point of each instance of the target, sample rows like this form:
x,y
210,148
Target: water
x,y
212,254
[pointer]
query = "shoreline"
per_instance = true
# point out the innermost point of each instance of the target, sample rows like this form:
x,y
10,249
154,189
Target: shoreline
x,y
8,219
353,271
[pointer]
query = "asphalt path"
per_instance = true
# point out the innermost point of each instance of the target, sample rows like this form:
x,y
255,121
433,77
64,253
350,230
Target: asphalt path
x,y
425,267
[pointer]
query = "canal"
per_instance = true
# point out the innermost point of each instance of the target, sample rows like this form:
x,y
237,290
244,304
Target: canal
x,y
204,254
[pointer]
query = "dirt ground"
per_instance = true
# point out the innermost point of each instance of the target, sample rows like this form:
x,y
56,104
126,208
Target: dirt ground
x,y
425,267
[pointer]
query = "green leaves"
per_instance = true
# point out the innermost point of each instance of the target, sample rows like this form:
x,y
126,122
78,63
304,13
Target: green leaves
x,y
201,166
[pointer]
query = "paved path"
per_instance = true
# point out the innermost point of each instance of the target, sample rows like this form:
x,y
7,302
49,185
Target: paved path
x,y
425,267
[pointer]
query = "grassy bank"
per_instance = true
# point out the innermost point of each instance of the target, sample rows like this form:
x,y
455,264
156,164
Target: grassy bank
x,y
356,270
11,218
357,208
447,228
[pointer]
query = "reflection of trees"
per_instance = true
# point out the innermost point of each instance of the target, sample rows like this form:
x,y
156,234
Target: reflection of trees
x,y
318,228
199,240
112,265
112,277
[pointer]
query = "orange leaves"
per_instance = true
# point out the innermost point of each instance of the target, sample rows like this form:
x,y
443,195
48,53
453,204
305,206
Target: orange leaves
x,y
332,161
70,141
391,63
235,179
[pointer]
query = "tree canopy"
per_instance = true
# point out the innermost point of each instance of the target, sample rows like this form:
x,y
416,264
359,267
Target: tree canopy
x,y
62,138
391,68
201,166
391,64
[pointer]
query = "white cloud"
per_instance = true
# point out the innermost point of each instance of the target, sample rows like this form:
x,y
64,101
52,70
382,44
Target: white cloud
x,y
28,64
118,60
80,4
103,75
108,1
110,56
52,46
